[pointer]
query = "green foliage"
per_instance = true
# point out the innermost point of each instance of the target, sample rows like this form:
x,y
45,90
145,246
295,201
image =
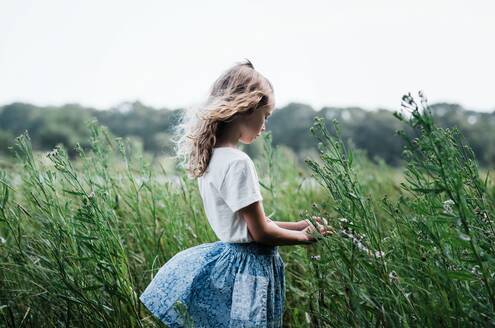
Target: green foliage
x,y
81,239
372,131
430,260
82,242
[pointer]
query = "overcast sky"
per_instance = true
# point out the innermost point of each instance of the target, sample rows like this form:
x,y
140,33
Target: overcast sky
x,y
323,53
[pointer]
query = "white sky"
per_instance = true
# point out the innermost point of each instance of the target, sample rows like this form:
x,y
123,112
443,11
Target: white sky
x,y
323,53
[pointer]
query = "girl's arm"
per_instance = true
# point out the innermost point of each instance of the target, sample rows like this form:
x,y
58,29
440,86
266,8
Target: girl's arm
x,y
267,232
299,225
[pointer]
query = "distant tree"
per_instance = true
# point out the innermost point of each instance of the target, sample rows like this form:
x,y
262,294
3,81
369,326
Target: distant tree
x,y
151,129
17,117
375,133
290,126
6,140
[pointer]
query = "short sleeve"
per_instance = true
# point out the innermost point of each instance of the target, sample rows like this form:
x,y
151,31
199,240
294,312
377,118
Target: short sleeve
x,y
240,186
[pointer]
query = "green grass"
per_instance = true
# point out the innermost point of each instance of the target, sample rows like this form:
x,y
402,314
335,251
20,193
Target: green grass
x,y
413,247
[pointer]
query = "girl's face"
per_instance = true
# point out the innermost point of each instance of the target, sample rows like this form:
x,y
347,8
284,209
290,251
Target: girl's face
x,y
253,124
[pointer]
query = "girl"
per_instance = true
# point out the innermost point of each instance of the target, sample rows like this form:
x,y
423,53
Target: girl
x,y
239,280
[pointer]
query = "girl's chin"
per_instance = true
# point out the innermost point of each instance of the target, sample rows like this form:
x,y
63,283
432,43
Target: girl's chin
x,y
250,140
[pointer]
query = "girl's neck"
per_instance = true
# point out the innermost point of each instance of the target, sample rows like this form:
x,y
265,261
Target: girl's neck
x,y
225,146
226,141
228,135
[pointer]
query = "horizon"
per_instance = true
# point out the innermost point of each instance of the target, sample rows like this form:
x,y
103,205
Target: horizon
x,y
323,54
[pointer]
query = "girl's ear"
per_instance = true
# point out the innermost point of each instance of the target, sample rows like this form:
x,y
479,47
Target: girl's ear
x,y
263,101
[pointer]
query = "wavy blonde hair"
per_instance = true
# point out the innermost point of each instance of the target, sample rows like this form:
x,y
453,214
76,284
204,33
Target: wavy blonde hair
x,y
239,90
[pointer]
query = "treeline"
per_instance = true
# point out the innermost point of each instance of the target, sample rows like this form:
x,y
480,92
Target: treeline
x,y
372,131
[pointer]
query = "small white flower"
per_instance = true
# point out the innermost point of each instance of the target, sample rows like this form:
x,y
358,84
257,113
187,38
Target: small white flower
x,y
357,242
315,257
343,220
52,153
2,240
464,237
447,206
379,254
393,277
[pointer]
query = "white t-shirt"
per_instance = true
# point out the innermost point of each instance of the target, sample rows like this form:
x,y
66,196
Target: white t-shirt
x,y
229,183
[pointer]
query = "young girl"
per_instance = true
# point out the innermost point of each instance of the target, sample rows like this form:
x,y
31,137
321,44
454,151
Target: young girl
x,y
239,280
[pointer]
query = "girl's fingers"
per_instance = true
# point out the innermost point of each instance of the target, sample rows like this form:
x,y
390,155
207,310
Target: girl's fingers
x,y
319,219
321,225
326,230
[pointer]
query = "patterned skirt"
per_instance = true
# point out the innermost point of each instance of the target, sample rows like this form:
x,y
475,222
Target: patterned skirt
x,y
219,285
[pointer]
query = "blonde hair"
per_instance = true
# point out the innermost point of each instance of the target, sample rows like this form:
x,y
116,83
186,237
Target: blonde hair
x,y
240,89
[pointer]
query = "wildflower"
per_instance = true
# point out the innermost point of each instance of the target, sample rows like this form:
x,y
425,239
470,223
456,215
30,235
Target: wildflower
x,y
482,215
485,218
408,105
464,237
2,240
379,254
52,153
91,195
356,241
424,100
315,257
447,206
393,277
476,270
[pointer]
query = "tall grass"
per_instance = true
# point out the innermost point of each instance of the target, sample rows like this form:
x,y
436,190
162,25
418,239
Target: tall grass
x,y
80,244
430,260
80,240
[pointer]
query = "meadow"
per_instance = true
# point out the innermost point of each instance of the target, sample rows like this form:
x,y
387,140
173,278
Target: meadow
x,y
412,247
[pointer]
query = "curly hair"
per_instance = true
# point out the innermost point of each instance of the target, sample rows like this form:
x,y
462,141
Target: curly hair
x,y
240,89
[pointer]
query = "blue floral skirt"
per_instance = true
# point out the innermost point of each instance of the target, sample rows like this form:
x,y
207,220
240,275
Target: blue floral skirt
x,y
219,285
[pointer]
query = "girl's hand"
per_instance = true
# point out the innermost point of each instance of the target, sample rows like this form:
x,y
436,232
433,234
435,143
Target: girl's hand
x,y
321,226
303,224
318,219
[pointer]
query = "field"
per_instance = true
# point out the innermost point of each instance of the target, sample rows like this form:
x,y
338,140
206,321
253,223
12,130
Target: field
x,y
413,247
